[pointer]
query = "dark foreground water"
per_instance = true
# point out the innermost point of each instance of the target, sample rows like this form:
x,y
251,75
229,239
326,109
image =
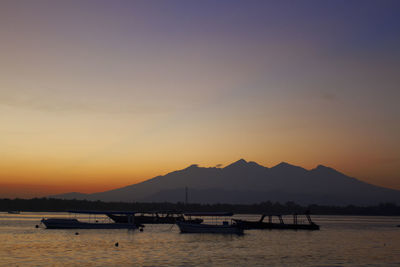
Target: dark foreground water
x,y
342,241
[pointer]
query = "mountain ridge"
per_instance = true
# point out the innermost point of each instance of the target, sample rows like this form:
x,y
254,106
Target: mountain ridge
x,y
248,182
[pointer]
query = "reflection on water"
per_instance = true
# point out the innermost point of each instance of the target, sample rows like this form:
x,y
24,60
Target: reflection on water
x,y
342,240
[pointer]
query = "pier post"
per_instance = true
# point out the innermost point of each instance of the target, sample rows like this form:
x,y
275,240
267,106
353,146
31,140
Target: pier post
x,y
281,219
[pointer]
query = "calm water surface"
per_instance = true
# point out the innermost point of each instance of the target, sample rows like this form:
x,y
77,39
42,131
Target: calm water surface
x,y
342,241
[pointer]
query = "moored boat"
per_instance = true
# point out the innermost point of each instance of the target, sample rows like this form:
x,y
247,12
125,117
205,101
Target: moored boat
x,y
13,212
223,227
73,223
260,224
164,217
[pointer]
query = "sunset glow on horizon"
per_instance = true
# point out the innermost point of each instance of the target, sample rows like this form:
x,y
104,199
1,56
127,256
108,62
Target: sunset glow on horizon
x,y
97,95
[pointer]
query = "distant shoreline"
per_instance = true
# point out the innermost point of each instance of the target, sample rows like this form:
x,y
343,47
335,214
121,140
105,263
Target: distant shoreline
x,y
273,208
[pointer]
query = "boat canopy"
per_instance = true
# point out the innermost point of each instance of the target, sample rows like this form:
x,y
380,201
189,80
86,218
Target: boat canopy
x,y
103,212
222,214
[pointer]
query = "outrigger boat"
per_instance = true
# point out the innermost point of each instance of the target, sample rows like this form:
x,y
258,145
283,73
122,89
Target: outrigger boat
x,y
216,228
154,217
260,224
73,223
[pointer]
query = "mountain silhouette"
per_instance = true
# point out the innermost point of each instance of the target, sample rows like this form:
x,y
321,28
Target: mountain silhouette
x,y
247,183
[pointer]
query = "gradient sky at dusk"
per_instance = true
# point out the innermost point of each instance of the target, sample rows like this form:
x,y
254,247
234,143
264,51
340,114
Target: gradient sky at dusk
x,y
96,95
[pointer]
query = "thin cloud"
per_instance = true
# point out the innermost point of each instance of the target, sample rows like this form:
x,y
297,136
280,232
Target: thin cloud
x,y
56,104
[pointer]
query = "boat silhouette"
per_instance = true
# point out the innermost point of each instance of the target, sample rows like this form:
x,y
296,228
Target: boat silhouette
x,y
93,223
153,217
217,227
260,224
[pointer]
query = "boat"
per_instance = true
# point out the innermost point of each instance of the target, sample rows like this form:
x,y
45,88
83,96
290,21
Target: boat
x,y
260,224
150,218
223,227
154,217
73,223
13,212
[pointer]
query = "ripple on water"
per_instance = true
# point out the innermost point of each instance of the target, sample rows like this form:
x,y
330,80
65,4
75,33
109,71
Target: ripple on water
x,y
341,241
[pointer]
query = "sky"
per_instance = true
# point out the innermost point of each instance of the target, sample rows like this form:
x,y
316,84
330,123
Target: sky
x,y
96,95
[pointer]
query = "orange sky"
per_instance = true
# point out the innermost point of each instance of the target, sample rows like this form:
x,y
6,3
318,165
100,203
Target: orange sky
x,y
95,96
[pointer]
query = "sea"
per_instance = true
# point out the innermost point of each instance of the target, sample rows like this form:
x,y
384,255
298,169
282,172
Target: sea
x,y
342,241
